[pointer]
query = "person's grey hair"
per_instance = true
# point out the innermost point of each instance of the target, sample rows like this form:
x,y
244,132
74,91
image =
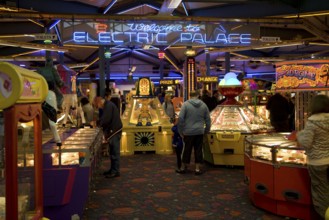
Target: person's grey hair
x,y
319,104
194,94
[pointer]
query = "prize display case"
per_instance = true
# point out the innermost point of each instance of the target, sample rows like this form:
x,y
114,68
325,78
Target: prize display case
x,y
68,170
277,176
21,188
231,122
71,167
146,127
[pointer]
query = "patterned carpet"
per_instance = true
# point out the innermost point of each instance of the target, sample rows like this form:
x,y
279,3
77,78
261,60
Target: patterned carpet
x,y
149,188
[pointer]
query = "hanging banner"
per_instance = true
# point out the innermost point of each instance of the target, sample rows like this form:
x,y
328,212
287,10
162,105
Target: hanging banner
x,y
312,74
163,33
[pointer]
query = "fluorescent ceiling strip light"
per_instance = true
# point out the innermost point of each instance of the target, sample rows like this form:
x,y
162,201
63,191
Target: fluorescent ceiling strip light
x,y
319,44
307,15
172,63
90,64
54,24
82,46
109,6
278,45
36,22
185,9
16,35
174,3
58,35
25,58
152,6
29,52
78,65
130,9
33,46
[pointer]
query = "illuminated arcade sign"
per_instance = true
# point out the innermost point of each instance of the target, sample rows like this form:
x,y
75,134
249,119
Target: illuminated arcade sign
x,y
207,79
160,33
169,82
311,75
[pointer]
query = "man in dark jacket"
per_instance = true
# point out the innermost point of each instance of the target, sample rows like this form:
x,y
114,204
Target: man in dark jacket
x,y
279,109
112,128
193,123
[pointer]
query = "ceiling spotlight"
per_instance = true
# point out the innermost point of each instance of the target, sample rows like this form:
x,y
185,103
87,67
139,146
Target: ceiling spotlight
x,y
190,52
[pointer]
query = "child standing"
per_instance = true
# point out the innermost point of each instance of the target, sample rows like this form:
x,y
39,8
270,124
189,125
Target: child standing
x,y
178,145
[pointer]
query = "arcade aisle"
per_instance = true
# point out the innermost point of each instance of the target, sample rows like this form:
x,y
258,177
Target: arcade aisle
x,y
148,188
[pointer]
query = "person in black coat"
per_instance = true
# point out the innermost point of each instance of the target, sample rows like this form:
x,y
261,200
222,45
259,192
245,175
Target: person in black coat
x,y
112,129
279,109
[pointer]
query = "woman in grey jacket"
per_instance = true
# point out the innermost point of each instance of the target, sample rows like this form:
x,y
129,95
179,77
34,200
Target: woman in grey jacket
x,y
314,138
193,123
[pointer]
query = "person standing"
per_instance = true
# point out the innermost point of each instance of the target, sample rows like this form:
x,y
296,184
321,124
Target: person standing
x,y
206,98
169,108
88,111
279,109
178,145
314,138
193,123
112,129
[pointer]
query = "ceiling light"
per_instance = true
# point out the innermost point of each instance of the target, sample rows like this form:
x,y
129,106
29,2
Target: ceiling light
x,y
174,3
54,24
109,6
190,52
185,9
33,46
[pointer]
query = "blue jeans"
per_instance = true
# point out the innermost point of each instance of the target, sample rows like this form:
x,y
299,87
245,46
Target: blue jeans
x,y
114,150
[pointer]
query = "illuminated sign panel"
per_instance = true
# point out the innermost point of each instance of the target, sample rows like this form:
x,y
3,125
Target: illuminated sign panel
x,y
169,82
162,33
207,79
312,76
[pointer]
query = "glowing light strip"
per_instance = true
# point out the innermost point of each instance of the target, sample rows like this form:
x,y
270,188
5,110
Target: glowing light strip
x,y
82,46
58,35
37,23
109,6
90,64
151,6
29,52
33,46
54,24
130,9
185,9
307,15
172,63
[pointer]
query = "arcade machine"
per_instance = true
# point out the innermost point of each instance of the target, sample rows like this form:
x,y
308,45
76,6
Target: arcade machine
x,y
21,94
275,166
231,122
255,96
146,127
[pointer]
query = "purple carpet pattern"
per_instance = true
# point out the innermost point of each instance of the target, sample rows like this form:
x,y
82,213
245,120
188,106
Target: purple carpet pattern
x,y
149,188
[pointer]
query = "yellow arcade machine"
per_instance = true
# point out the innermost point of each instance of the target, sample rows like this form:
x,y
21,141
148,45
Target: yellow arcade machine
x,y
21,94
146,127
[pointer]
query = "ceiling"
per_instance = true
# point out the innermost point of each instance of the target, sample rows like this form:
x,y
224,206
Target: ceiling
x,y
301,26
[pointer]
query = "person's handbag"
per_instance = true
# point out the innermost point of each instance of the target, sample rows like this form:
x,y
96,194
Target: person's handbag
x,y
49,111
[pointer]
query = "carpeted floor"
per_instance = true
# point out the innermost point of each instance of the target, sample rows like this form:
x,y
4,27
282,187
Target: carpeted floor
x,y
149,188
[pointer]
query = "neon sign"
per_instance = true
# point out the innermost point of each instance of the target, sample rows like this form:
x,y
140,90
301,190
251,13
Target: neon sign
x,y
179,33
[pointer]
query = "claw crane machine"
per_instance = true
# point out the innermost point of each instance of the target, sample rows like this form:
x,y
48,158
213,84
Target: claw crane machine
x,y
21,190
146,127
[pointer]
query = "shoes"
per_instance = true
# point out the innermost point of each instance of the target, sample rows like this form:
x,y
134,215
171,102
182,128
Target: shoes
x,y
198,172
112,175
180,171
107,172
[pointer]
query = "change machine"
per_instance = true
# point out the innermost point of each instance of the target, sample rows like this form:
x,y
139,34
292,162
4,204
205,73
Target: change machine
x,y
21,94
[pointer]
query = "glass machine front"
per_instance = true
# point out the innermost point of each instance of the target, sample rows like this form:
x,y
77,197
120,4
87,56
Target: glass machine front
x,y
237,118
